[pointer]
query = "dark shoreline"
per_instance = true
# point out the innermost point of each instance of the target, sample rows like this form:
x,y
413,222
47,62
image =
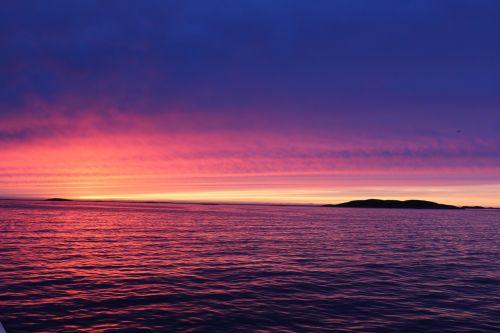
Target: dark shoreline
x,y
340,205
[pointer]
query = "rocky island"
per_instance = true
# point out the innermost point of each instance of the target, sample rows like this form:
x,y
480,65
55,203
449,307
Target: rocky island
x,y
377,203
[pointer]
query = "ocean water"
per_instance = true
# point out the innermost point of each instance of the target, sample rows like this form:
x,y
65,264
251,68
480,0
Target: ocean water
x,y
131,267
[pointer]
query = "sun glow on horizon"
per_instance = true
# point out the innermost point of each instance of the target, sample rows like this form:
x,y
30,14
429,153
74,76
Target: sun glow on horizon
x,y
253,168
457,195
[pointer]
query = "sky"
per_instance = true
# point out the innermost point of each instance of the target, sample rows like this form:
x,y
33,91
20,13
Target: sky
x,y
251,101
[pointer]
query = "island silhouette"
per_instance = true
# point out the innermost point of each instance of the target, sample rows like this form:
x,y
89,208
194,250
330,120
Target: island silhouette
x,y
367,203
377,203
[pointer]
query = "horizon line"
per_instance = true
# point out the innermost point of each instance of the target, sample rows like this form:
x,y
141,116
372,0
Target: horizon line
x,y
209,202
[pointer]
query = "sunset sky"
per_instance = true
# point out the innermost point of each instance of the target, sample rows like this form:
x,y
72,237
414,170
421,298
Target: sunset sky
x,y
251,101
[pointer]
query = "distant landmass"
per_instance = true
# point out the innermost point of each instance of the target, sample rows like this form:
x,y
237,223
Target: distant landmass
x,y
368,203
477,207
377,203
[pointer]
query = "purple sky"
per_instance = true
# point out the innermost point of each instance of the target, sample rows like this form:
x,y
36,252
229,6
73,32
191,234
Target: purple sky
x,y
396,95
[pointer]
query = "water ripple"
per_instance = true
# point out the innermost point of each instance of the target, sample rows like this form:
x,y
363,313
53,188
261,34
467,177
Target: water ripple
x,y
129,267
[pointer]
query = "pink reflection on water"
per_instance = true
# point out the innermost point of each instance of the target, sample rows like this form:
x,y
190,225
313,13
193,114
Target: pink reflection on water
x,y
101,266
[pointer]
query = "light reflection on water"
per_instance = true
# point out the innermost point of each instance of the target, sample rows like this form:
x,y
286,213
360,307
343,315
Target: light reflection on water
x,y
109,267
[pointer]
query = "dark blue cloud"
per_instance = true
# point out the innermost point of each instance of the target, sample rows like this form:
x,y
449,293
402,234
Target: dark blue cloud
x,y
322,63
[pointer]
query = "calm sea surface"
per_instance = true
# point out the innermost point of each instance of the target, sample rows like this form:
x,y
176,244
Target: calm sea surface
x,y
129,267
